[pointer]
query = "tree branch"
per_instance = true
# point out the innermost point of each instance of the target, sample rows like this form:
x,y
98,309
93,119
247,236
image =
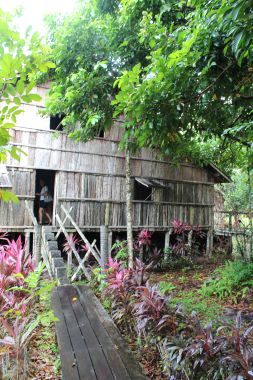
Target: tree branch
x,y
208,87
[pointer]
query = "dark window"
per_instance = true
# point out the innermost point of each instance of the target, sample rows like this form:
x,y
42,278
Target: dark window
x,y
55,122
142,192
101,133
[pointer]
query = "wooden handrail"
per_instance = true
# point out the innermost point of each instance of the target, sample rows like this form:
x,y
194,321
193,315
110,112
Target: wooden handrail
x,y
34,220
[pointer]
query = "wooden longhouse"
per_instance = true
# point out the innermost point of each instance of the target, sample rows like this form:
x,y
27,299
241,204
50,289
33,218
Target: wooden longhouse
x,y
90,177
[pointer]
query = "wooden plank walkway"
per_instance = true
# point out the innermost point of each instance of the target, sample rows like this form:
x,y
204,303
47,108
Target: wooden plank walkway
x,y
90,345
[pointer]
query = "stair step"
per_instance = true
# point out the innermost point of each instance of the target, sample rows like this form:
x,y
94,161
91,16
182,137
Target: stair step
x,y
52,245
54,253
49,236
60,272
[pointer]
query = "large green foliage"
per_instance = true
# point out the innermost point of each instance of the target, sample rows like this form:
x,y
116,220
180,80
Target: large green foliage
x,y
237,194
21,58
198,81
179,72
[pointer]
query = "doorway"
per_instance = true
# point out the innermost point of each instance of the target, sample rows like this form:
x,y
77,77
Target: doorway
x,y
49,178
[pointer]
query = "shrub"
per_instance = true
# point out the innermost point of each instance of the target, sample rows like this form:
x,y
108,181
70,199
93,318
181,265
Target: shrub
x,y
234,276
210,355
166,287
19,289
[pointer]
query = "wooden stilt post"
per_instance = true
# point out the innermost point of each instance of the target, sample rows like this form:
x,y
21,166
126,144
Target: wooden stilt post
x,y
104,245
141,254
209,242
167,243
167,238
190,240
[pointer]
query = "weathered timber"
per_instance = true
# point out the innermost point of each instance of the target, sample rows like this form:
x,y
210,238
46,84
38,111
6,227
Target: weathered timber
x,y
90,345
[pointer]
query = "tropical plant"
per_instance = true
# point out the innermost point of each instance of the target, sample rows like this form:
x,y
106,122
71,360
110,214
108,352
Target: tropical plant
x,y
232,277
222,354
166,287
119,248
72,242
144,238
20,288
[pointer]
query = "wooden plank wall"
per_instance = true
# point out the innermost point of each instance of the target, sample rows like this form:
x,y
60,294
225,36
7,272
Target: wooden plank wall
x,y
185,193
91,213
44,151
11,214
89,175
82,185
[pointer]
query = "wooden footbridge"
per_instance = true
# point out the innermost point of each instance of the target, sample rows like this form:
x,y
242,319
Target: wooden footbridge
x,y
90,345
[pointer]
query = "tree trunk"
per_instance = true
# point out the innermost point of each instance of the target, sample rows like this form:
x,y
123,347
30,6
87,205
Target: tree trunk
x,y
250,210
129,209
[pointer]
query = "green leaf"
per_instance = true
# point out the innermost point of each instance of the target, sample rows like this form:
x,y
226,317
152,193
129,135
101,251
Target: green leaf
x,y
124,43
35,97
11,89
17,100
237,41
152,43
43,67
50,65
29,87
26,98
8,196
8,126
20,86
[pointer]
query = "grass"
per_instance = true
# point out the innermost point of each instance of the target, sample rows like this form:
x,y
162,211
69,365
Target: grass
x,y
209,289
233,277
207,308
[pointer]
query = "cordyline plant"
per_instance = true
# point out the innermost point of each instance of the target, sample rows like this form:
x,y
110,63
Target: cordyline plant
x,y
226,353
144,238
188,351
181,230
117,278
19,289
67,248
15,265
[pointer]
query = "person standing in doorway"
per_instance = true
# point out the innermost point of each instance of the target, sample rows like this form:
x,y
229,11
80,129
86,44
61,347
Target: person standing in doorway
x,y
45,198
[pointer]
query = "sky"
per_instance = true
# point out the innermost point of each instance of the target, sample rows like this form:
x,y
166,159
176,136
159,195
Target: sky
x,y
35,10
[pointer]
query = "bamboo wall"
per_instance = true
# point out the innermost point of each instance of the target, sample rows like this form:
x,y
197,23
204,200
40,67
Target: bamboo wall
x,y
23,185
90,178
55,151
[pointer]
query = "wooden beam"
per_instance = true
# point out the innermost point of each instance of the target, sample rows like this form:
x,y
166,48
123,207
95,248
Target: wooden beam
x,y
81,235
83,260
72,247
65,219
34,220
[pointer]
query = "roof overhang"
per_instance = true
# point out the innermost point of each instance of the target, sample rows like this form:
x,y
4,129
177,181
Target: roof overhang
x,y
219,175
150,182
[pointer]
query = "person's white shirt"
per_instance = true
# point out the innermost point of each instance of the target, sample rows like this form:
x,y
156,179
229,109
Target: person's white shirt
x,y
45,195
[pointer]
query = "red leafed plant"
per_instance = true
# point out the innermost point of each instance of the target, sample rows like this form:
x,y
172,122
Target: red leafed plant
x,y
144,238
74,240
180,227
225,353
14,261
149,306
